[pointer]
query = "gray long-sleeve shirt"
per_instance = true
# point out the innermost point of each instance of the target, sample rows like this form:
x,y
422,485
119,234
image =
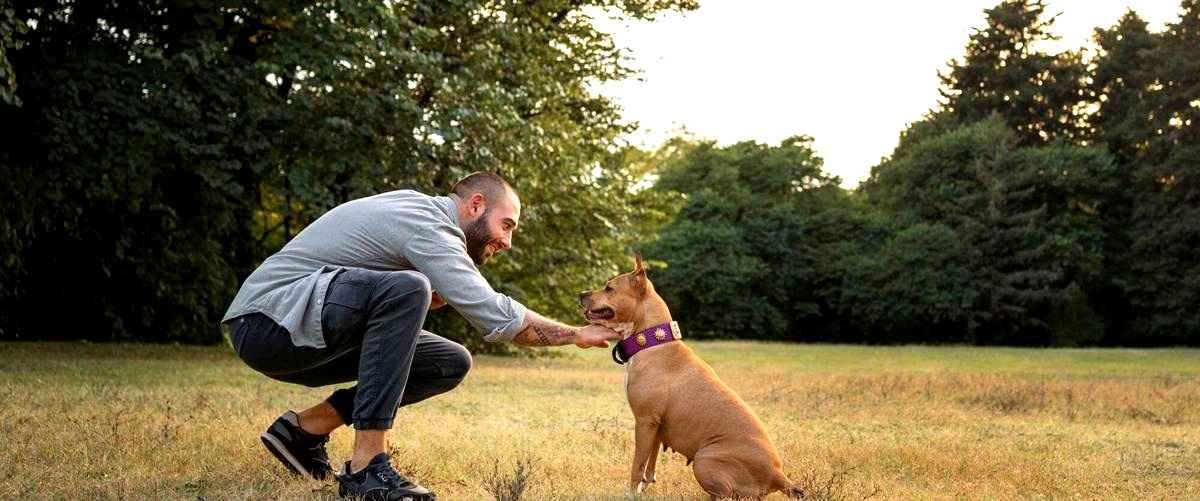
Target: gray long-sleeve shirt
x,y
397,230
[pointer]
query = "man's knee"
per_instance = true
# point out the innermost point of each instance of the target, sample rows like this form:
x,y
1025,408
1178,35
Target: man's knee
x,y
405,283
456,364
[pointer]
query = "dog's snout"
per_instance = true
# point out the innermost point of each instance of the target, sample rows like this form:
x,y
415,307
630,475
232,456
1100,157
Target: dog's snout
x,y
583,297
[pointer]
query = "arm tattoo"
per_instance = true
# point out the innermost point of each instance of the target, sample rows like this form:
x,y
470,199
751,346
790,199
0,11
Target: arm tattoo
x,y
541,336
544,334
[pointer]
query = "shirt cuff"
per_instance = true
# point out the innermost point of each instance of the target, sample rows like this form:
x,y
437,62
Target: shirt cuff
x,y
508,331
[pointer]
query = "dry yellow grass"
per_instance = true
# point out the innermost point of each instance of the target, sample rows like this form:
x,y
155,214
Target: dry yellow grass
x,y
133,421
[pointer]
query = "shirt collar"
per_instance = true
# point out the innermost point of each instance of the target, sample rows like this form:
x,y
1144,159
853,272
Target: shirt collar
x,y
447,206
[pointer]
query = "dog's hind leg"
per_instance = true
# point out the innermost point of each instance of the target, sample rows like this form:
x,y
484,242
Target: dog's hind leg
x,y
712,476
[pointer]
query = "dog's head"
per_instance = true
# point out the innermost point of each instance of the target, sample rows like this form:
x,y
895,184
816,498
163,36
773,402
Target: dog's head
x,y
620,303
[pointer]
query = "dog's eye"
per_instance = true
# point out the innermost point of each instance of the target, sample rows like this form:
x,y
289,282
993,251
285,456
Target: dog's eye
x,y
608,288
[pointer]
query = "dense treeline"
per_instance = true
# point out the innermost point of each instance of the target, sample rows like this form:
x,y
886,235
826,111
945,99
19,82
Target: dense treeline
x,y
1048,200
155,152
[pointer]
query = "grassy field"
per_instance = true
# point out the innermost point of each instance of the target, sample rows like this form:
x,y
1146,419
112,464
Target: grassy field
x,y
134,421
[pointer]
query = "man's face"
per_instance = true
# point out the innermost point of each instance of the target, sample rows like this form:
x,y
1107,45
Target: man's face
x,y
491,231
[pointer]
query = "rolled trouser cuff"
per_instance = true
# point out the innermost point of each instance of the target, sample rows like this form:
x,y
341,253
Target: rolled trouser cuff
x,y
373,424
342,401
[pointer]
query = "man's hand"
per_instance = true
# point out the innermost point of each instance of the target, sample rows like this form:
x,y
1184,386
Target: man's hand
x,y
437,302
595,336
541,331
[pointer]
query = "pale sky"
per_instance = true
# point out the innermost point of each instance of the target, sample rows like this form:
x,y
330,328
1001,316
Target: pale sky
x,y
852,74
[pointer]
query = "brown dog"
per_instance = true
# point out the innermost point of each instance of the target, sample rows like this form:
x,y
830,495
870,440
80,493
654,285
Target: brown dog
x,y
678,401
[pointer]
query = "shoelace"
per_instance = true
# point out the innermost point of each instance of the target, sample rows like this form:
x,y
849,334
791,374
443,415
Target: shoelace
x,y
391,477
318,450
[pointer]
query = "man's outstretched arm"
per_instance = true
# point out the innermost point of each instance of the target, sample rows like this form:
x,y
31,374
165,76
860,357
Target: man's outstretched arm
x,y
541,331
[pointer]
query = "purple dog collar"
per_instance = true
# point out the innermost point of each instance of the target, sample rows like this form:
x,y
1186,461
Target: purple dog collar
x,y
654,336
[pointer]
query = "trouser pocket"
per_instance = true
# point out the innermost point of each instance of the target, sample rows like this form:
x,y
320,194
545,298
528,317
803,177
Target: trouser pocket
x,y
344,314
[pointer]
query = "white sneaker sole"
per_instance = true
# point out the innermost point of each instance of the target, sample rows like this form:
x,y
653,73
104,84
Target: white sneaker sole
x,y
281,452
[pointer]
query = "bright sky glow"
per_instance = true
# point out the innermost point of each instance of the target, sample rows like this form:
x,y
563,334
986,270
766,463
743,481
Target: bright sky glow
x,y
852,74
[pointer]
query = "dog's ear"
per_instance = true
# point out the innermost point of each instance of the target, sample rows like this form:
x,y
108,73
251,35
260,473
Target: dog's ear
x,y
638,279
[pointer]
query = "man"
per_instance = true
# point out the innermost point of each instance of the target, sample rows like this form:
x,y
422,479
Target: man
x,y
345,300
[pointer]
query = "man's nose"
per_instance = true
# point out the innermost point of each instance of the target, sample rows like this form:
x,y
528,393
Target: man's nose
x,y
506,242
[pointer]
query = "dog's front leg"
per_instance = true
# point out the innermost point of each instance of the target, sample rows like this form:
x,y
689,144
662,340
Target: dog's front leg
x,y
645,439
653,460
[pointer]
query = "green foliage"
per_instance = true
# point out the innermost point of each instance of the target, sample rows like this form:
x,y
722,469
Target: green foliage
x,y
1147,93
1028,220
1074,322
930,179
162,149
168,147
1164,283
10,29
1069,239
917,287
1004,72
1120,82
740,262
1007,215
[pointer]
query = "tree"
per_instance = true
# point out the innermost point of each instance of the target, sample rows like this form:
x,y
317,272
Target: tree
x,y
167,147
10,29
739,262
1029,219
1164,285
1005,72
917,287
1120,82
1121,85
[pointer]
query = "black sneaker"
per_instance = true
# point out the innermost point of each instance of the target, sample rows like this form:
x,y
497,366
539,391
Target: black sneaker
x,y
300,451
380,482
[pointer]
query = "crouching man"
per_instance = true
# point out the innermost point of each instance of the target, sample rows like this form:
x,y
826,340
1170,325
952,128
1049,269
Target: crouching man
x,y
346,299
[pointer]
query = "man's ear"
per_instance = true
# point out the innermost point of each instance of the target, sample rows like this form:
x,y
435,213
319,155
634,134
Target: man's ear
x,y
477,202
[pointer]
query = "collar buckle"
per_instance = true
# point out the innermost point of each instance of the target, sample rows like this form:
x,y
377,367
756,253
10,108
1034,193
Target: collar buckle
x,y
617,355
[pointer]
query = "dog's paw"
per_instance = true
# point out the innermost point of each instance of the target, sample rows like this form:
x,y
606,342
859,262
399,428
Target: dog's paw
x,y
636,487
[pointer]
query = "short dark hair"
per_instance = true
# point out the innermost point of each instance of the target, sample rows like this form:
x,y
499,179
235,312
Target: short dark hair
x,y
490,184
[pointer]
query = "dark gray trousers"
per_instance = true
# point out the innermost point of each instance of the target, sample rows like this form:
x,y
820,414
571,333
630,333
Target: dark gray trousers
x,y
371,321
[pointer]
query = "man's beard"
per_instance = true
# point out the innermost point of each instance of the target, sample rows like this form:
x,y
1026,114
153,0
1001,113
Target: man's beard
x,y
478,238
